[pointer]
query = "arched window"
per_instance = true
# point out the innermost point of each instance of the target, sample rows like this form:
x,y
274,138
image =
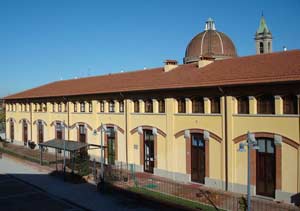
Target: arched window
x,y
161,106
290,104
102,106
148,106
215,105
82,133
198,105
181,106
82,107
243,105
261,47
266,104
136,106
90,107
111,107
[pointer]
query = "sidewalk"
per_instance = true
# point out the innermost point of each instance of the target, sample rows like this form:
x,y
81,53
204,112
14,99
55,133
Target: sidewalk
x,y
84,195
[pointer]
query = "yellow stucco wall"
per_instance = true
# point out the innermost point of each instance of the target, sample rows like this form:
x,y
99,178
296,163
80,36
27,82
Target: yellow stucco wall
x,y
171,151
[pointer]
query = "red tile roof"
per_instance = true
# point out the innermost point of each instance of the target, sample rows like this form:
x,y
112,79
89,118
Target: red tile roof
x,y
266,68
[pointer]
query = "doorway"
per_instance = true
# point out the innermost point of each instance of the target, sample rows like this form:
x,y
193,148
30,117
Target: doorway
x,y
25,132
111,146
198,158
265,168
148,151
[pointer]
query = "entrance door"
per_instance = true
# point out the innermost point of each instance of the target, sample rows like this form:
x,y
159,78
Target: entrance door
x,y
111,151
12,131
25,132
59,135
198,158
148,151
82,134
265,168
40,132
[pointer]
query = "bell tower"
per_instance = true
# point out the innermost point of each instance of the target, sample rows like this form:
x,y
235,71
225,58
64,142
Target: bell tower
x,y
263,38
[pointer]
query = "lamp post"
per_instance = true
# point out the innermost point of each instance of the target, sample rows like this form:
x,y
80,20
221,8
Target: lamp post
x,y
102,129
251,144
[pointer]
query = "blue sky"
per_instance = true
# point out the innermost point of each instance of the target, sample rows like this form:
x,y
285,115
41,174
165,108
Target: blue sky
x,y
48,40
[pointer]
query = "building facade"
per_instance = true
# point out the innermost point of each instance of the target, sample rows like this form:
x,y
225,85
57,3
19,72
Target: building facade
x,y
183,122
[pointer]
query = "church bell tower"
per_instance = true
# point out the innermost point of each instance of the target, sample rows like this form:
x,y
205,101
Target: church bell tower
x,y
263,38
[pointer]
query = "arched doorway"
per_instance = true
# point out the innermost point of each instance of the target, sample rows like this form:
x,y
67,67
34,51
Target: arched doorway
x,y
197,158
40,128
148,151
25,132
265,167
111,145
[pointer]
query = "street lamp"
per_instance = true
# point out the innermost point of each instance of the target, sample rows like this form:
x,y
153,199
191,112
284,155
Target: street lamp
x,y
251,144
102,129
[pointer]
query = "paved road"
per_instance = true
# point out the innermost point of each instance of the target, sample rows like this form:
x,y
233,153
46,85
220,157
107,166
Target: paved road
x,y
16,195
52,191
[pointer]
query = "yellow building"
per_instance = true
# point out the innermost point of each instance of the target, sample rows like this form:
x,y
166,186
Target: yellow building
x,y
183,122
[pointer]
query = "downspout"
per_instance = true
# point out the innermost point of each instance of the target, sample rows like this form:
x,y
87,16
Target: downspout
x,y
225,137
126,128
68,102
30,107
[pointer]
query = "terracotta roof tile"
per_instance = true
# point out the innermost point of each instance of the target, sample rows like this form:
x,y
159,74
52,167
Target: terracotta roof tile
x,y
266,68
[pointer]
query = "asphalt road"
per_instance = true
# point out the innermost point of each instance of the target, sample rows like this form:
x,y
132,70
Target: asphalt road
x,y
15,195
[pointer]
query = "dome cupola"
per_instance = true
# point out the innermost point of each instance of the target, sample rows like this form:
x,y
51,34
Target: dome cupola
x,y
209,43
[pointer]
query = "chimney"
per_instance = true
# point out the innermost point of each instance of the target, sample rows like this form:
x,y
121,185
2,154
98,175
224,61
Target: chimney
x,y
203,61
170,65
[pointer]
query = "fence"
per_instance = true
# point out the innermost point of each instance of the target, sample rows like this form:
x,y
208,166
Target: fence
x,y
119,176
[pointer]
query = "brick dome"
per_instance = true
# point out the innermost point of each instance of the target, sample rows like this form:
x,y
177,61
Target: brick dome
x,y
210,43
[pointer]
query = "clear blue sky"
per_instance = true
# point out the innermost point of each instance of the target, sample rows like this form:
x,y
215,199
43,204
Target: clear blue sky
x,y
44,41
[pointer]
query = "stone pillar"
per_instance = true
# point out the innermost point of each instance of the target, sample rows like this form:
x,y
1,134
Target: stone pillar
x,y
117,106
105,106
142,106
278,105
155,105
188,104
252,105
207,107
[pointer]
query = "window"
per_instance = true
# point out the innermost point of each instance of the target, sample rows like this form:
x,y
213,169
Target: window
x,y
102,106
161,106
35,107
181,106
148,106
243,105
198,105
290,104
111,107
75,107
265,104
53,107
261,47
136,106
215,105
82,107
59,107
90,107
121,106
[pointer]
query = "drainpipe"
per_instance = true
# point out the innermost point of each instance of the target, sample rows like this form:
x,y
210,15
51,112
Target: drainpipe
x,y
68,102
126,133
31,123
225,137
